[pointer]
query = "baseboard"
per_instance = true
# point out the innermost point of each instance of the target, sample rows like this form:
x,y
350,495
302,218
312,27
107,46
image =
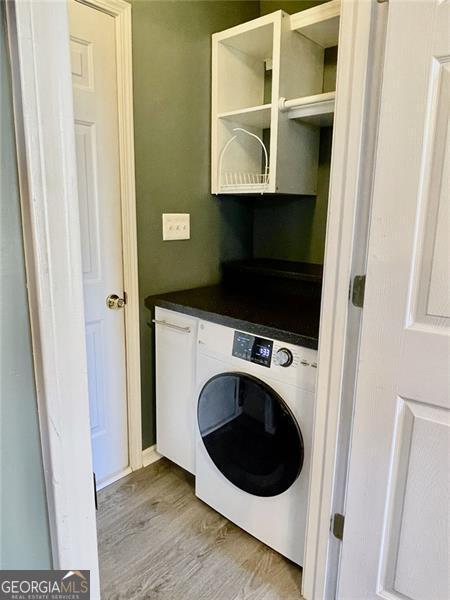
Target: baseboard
x,y
149,456
113,479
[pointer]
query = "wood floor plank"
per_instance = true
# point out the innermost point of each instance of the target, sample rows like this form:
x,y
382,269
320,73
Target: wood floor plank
x,y
157,541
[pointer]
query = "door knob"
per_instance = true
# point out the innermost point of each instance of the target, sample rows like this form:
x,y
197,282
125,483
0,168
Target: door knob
x,y
114,302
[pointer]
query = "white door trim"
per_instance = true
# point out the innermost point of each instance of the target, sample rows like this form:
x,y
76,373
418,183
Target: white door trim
x,y
150,456
354,139
43,107
121,12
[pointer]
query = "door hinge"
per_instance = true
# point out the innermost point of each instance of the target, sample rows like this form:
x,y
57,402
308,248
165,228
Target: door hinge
x,y
95,491
358,289
337,525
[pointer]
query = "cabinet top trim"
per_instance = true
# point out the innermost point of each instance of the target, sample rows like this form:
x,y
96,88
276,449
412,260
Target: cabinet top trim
x,y
320,23
269,19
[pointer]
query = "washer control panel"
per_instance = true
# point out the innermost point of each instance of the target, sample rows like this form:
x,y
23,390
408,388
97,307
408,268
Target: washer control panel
x,y
277,360
254,349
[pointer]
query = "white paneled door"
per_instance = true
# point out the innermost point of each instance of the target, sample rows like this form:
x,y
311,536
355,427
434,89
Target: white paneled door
x,y
396,532
94,77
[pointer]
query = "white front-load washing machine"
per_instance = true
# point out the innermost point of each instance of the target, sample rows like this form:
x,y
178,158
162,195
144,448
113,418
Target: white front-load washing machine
x,y
255,406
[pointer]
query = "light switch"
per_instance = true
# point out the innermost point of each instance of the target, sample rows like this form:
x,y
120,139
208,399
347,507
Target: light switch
x,y
176,226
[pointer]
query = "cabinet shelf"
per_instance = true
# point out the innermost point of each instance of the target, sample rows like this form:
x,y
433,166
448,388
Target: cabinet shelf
x,y
316,110
319,24
255,116
255,148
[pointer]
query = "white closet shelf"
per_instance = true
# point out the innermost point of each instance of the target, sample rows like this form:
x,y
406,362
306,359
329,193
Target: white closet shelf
x,y
241,56
320,23
255,116
317,110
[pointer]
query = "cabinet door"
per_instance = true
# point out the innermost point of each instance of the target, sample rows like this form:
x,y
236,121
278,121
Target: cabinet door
x,y
176,336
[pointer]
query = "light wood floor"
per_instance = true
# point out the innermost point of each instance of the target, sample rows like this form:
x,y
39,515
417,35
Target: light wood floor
x,y
158,541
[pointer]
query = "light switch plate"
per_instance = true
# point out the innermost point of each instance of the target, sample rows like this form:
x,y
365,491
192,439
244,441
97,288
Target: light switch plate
x,y
176,226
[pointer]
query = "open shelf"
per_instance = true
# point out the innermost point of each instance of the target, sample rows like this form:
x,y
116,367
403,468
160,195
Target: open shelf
x,y
255,116
316,110
256,148
320,23
241,55
247,174
256,42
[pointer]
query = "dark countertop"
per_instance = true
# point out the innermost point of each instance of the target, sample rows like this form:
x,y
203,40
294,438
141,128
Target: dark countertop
x,y
287,318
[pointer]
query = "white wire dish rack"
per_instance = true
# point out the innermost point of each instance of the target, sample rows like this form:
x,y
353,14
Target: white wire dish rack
x,y
243,181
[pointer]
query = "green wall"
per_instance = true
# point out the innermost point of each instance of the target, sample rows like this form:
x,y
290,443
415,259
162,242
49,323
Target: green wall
x,y
24,534
289,6
172,95
294,228
171,70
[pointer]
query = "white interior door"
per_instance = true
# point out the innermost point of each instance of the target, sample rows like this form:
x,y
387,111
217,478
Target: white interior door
x,y
94,76
397,523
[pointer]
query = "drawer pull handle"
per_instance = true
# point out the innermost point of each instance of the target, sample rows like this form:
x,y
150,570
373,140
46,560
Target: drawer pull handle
x,y
172,326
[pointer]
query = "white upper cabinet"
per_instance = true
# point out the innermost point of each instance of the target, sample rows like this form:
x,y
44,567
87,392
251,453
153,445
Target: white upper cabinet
x,y
261,70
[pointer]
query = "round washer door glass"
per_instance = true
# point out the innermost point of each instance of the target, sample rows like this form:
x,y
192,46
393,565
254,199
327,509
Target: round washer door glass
x,y
250,434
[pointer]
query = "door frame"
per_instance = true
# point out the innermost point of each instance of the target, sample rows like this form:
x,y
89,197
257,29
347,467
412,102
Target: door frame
x,y
38,37
359,77
121,12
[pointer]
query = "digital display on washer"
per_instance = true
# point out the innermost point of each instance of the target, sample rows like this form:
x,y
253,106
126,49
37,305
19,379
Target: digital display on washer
x,y
252,348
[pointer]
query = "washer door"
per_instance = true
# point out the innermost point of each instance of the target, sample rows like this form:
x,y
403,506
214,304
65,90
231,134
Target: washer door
x,y
250,434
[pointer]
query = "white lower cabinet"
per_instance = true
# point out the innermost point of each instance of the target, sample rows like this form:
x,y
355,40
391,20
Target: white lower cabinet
x,y
176,337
